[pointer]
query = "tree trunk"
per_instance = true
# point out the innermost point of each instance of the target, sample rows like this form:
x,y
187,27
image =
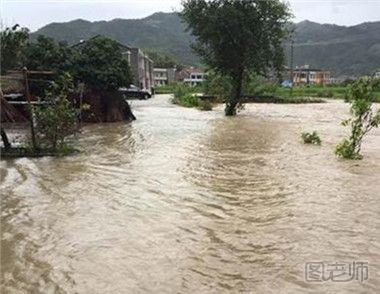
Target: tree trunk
x,y
235,97
4,137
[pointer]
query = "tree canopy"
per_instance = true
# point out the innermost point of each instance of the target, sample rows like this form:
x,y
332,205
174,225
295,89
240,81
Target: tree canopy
x,y
47,54
238,37
13,41
101,64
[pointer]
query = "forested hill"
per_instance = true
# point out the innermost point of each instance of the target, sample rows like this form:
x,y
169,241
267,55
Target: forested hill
x,y
344,50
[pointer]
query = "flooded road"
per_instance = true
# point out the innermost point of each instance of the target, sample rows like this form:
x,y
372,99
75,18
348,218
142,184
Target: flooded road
x,y
183,201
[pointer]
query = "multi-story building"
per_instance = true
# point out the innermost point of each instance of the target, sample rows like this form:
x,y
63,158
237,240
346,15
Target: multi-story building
x,y
142,69
191,76
305,75
163,76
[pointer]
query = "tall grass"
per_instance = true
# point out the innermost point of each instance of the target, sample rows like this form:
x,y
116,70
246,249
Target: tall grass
x,y
183,96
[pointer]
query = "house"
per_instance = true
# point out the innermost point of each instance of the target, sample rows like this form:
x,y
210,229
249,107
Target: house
x,y
142,69
377,75
141,65
191,76
305,75
163,76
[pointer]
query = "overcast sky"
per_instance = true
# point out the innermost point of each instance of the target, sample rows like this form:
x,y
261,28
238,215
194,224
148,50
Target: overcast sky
x,y
35,14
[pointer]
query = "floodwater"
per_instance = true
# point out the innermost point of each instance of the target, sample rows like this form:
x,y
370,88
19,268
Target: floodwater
x,y
183,201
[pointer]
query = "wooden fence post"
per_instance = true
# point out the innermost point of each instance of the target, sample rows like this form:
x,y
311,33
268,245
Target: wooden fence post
x,y
31,112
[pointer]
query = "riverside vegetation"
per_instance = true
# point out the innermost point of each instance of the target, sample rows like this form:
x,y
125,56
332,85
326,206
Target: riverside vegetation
x,y
363,118
55,121
311,138
97,64
186,96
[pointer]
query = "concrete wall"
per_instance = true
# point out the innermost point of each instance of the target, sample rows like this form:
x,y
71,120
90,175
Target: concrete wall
x,y
142,69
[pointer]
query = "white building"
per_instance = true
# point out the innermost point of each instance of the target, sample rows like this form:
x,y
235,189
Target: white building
x,y
195,78
377,75
163,76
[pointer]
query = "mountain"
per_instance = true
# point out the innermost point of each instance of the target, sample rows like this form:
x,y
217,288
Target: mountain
x,y
344,50
163,31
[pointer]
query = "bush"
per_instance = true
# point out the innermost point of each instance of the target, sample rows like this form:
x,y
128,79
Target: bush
x,y
330,93
204,105
311,138
187,100
58,118
258,86
217,85
181,90
360,95
346,150
183,96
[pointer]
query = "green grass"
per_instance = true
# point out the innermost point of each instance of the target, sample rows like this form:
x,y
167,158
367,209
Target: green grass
x,y
298,93
191,101
170,89
336,92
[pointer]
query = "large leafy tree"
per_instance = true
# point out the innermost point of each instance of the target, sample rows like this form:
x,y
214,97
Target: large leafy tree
x,y
101,65
13,41
238,37
47,54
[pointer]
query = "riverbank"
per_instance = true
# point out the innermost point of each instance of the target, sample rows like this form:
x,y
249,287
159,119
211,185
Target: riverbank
x,y
23,152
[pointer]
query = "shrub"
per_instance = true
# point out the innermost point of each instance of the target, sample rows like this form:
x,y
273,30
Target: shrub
x,y
204,105
217,85
187,100
311,138
321,93
330,93
181,90
58,118
183,96
360,95
257,86
346,150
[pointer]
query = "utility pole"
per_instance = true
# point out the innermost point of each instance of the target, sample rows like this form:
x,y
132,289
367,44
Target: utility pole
x,y
291,66
81,91
31,112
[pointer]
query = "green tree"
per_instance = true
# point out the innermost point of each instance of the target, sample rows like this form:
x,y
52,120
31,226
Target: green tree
x,y
13,41
238,37
217,85
101,65
58,119
47,54
363,120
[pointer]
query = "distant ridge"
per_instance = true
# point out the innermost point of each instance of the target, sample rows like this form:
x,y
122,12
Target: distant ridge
x,y
346,51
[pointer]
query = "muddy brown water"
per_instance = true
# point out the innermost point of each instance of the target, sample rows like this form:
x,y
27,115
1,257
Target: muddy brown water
x,y
183,201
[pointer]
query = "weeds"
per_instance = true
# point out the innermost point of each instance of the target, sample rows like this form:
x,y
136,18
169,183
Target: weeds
x,y
311,138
